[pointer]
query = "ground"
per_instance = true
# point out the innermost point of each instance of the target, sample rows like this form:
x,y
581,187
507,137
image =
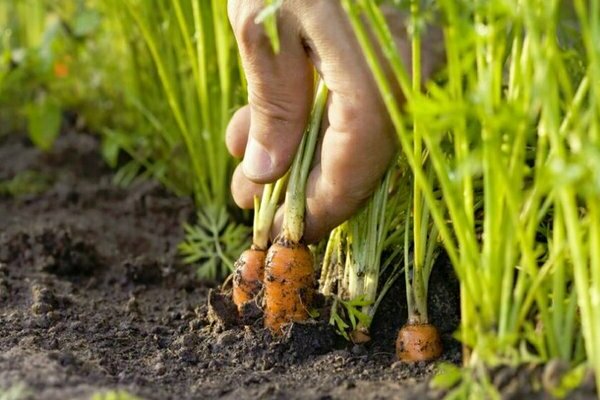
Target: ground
x,y
93,297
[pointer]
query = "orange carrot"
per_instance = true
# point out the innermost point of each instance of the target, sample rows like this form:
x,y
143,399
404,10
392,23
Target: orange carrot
x,y
289,284
248,276
250,267
418,342
289,273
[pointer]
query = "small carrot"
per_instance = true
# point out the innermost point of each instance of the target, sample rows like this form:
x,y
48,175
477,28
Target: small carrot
x,y
289,272
289,283
250,267
248,276
418,342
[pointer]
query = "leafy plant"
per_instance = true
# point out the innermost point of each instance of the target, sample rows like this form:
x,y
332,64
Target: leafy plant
x,y
353,264
346,315
44,120
214,242
182,81
511,131
25,182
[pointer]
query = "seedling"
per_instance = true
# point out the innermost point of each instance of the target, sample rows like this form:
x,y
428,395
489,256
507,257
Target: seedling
x,y
353,264
290,272
511,134
182,81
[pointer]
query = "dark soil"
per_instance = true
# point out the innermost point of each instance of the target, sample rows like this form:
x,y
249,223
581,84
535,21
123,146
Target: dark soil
x,y
93,297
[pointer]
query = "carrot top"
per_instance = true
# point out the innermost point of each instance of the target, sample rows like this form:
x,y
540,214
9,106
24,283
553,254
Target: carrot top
x,y
264,211
293,218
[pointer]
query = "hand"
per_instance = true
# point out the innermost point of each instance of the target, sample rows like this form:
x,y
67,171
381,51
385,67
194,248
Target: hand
x,y
358,140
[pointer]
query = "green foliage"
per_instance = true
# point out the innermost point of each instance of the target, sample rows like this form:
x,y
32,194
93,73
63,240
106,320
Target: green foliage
x,y
44,119
569,381
181,80
214,242
512,130
475,382
447,377
353,264
347,315
52,59
464,383
24,183
85,23
16,391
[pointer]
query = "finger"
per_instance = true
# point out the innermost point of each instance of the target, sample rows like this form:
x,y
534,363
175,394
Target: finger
x,y
354,158
243,190
336,53
354,155
359,142
279,91
236,136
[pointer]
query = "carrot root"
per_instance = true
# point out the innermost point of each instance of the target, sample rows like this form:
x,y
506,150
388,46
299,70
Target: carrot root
x,y
248,276
289,284
418,342
360,336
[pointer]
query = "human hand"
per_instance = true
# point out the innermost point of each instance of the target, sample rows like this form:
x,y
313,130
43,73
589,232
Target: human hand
x,y
357,141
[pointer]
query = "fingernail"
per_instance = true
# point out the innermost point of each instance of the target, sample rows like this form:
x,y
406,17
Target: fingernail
x,y
257,161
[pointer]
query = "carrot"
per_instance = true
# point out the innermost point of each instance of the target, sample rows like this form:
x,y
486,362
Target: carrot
x,y
250,267
248,276
289,283
360,335
289,272
418,342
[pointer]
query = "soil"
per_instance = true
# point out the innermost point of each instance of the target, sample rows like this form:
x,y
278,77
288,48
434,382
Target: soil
x,y
94,297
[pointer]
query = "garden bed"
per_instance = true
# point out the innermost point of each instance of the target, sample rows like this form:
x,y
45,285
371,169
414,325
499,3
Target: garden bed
x,y
93,297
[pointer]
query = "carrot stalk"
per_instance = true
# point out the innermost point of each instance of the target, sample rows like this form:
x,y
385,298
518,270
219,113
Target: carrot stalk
x,y
332,261
289,272
356,247
419,340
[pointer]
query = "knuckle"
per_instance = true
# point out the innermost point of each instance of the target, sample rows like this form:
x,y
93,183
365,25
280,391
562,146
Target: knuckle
x,y
248,33
272,108
356,117
348,193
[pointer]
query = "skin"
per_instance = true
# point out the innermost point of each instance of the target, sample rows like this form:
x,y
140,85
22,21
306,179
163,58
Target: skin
x,y
358,141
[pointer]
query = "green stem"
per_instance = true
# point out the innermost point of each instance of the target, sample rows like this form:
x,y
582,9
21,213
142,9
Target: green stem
x,y
419,241
264,211
407,265
330,261
393,108
295,198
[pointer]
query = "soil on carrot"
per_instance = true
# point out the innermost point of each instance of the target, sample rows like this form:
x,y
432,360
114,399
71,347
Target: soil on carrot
x,y
93,297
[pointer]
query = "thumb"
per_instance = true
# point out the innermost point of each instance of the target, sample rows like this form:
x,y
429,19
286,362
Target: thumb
x,y
279,91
